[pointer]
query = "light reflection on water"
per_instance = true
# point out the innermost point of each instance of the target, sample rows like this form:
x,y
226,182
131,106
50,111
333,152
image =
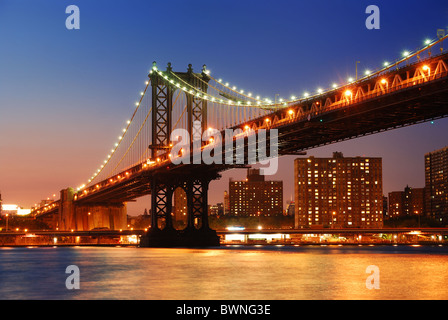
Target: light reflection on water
x,y
279,273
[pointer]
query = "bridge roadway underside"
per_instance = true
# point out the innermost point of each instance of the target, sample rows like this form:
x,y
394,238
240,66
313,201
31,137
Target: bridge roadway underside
x,y
406,107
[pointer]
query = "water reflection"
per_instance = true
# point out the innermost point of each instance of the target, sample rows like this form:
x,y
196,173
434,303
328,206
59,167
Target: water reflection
x,y
258,272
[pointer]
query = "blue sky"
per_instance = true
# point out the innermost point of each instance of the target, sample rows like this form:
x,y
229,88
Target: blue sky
x,y
64,94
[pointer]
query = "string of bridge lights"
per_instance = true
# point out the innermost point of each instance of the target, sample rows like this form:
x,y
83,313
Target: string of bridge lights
x,y
120,139
233,88
266,103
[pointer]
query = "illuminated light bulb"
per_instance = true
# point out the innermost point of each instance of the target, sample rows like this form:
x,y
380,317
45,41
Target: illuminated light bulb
x,y
234,88
334,85
128,122
427,41
267,120
367,72
246,127
306,94
405,53
227,84
124,130
348,93
258,97
146,82
425,67
350,79
136,103
241,91
142,93
219,80
116,144
385,63
320,90
120,137
383,81
249,94
291,112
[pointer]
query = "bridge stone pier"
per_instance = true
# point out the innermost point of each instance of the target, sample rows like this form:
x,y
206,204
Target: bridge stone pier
x,y
197,233
85,217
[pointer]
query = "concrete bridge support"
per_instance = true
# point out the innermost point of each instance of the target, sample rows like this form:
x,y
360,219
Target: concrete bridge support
x,y
197,233
84,217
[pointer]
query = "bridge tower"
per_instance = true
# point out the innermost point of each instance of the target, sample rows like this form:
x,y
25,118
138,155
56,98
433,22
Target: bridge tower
x,y
194,182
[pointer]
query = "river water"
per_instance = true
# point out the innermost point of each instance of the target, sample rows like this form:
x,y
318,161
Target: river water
x,y
226,273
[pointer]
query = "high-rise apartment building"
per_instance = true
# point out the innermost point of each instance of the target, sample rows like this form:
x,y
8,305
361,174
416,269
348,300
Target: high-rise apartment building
x,y
436,185
180,205
255,196
406,203
338,192
226,203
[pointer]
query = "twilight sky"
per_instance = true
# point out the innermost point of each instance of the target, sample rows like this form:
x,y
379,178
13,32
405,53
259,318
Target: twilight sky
x,y
65,94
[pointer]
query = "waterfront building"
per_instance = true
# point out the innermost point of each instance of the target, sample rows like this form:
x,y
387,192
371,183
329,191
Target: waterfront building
x,y
436,185
180,205
338,192
255,196
226,203
406,203
290,208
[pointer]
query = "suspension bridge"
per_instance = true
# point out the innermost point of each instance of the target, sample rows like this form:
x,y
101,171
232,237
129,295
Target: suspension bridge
x,y
214,114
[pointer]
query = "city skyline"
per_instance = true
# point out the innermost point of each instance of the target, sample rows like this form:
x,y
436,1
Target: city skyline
x,y
66,93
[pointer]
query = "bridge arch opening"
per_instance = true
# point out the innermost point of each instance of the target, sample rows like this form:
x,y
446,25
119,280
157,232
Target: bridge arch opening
x,y
180,209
